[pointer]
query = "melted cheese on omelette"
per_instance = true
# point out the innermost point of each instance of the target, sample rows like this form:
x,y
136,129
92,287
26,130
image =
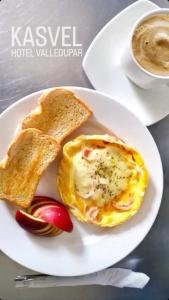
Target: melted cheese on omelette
x,y
102,179
103,174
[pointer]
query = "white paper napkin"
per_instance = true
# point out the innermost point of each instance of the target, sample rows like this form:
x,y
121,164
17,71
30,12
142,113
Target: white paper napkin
x,y
116,277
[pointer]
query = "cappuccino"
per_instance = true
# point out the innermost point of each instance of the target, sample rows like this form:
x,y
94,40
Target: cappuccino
x,y
150,44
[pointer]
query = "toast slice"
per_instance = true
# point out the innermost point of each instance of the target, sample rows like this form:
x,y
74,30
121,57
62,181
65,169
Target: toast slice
x,y
27,158
59,113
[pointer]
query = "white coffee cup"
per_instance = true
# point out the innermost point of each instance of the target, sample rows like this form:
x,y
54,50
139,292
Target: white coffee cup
x,y
133,70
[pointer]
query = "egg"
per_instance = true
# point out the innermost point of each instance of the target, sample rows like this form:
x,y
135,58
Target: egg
x,y
102,179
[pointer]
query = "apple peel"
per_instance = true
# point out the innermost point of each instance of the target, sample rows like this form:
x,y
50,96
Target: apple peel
x,y
46,217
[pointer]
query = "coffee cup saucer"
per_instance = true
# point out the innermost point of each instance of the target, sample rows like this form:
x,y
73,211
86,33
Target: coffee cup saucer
x,y
102,65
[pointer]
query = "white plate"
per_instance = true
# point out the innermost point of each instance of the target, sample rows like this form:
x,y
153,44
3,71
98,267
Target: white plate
x,y
102,64
89,248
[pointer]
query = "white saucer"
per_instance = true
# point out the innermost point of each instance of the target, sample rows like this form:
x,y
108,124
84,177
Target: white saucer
x,y
102,66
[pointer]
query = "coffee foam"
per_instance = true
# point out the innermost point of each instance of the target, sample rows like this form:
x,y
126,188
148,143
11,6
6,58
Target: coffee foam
x,y
150,44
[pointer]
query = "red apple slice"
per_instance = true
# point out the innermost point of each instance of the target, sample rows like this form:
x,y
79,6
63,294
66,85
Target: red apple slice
x,y
51,211
56,215
46,216
35,225
40,201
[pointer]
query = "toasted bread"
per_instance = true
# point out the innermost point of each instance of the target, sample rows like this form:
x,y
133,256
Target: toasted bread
x,y
59,113
27,158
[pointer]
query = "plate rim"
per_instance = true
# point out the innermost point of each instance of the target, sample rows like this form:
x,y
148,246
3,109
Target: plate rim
x,y
104,265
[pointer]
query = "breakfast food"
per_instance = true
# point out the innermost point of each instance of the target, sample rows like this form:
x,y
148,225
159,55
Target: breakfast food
x,y
35,225
46,217
27,158
150,43
59,113
102,179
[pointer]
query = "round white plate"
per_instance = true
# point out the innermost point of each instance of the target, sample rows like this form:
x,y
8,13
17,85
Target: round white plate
x,y
89,248
102,64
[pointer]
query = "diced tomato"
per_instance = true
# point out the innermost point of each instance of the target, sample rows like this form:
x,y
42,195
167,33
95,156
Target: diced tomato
x,y
86,153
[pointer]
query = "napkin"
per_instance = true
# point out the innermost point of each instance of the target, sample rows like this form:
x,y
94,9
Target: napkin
x,y
117,277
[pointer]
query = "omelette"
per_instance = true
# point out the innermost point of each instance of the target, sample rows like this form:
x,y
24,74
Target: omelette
x,y
102,179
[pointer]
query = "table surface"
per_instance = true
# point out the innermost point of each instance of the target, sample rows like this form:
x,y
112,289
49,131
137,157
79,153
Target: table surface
x,y
22,76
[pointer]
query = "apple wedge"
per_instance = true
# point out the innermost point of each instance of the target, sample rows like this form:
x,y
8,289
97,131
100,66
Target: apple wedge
x,y
46,216
35,225
55,215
